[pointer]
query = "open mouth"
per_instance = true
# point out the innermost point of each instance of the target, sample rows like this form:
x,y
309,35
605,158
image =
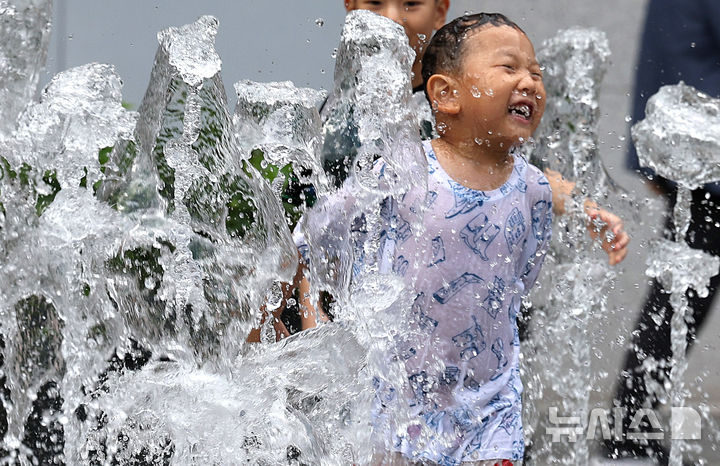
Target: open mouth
x,y
522,110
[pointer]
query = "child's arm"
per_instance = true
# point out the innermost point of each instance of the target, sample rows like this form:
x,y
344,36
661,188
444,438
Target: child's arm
x,y
280,330
608,228
310,315
602,224
287,289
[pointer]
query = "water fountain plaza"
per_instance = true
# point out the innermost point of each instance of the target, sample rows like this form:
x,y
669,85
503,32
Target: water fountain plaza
x,y
151,233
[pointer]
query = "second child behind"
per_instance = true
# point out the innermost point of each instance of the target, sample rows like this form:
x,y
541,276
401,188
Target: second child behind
x,y
483,241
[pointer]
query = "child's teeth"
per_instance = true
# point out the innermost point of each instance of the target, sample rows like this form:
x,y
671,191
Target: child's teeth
x,y
521,109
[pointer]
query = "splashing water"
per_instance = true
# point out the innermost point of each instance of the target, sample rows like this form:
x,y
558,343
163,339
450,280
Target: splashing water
x,y
25,28
680,121
282,121
573,286
680,140
152,233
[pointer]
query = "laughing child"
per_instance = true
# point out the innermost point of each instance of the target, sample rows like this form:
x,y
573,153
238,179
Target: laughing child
x,y
480,250
420,18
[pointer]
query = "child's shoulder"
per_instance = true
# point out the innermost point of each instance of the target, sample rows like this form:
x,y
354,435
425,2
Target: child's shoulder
x,y
536,179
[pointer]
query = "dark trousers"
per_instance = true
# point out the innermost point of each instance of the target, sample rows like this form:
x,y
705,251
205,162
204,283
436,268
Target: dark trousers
x,y
651,336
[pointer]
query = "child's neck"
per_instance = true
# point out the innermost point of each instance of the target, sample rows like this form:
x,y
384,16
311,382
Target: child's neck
x,y
482,167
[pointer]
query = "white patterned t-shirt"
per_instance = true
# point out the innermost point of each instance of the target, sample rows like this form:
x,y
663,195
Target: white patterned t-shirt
x,y
478,254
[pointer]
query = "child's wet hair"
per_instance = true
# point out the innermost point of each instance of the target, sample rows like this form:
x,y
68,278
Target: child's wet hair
x,y
445,51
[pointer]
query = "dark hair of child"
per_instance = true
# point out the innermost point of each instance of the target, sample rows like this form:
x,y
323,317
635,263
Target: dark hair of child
x,y
445,51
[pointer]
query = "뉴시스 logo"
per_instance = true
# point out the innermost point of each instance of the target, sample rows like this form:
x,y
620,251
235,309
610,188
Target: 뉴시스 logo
x,y
685,424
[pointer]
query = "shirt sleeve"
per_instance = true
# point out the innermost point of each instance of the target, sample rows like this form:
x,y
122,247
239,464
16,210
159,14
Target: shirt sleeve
x,y
326,223
334,222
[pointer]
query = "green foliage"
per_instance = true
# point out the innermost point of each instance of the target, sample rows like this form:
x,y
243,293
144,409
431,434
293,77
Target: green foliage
x,y
143,264
40,335
104,157
44,200
294,194
242,213
24,176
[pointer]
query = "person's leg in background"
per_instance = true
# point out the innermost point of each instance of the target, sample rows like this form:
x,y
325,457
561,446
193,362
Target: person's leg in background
x,y
646,372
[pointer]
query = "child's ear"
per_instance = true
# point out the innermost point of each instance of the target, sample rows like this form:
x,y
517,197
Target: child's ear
x,y
442,92
441,9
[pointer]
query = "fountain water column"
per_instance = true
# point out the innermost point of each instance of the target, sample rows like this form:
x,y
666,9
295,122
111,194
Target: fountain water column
x,y
680,140
228,236
94,236
372,72
51,309
573,281
25,35
281,124
377,55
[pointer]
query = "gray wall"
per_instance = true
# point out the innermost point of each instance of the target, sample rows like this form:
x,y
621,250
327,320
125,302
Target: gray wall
x,y
263,40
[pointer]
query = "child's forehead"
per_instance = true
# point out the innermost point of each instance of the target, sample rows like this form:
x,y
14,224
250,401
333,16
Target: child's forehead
x,y
491,40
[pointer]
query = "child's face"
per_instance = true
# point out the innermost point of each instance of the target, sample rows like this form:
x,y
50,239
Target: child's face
x,y
501,93
419,17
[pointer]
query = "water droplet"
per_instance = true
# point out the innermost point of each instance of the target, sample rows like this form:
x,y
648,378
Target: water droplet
x,y
70,37
477,93
628,119
490,92
334,53
693,45
478,141
319,22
